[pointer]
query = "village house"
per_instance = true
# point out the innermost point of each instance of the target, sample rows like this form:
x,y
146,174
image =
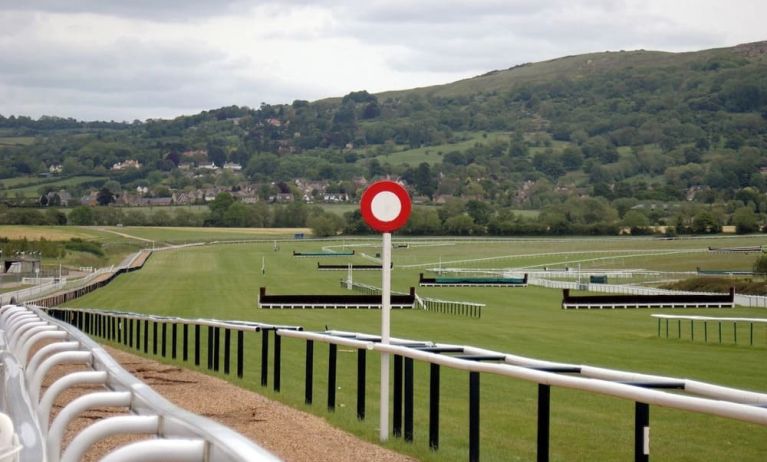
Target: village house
x,y
55,169
130,163
235,167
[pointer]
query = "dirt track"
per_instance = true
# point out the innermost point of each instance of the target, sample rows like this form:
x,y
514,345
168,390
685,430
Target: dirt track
x,y
288,433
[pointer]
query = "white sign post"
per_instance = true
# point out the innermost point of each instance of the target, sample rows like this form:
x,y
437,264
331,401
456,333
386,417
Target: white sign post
x,y
385,207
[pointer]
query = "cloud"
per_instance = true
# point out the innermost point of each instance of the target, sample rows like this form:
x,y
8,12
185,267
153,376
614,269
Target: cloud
x,y
117,59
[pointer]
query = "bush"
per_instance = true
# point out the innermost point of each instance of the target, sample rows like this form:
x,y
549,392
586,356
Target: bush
x,y
79,245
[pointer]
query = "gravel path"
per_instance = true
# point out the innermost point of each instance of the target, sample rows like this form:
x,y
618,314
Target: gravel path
x,y
290,434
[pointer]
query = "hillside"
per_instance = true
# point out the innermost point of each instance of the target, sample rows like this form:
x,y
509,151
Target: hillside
x,y
628,126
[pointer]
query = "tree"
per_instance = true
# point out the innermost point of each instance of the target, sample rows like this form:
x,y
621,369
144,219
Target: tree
x,y
760,265
744,220
105,196
325,224
81,216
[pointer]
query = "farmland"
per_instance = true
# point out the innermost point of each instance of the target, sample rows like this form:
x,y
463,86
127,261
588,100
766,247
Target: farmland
x,y
222,281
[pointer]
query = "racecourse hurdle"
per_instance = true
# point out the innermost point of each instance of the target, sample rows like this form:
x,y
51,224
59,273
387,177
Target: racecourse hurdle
x,y
705,320
644,390
442,281
173,434
647,301
323,301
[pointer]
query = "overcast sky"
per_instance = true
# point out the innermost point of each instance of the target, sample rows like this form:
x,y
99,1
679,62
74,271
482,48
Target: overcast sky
x,y
139,59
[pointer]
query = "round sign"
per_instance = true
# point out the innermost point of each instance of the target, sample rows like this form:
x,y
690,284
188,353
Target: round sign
x,y
385,206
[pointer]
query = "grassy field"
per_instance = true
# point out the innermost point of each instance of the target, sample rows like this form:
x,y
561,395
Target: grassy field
x,y
433,154
222,281
30,186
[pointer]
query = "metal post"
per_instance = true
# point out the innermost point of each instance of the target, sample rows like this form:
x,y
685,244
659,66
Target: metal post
x,y
473,416
397,415
146,336
216,347
692,330
385,333
185,340
309,371
154,338
544,407
277,362
408,399
130,332
196,344
138,334
705,331
210,347
735,331
332,350
227,349
164,338
264,357
173,340
642,432
240,353
361,359
434,406
720,331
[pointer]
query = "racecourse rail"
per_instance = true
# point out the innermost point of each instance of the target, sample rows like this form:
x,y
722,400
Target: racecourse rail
x,y
645,390
172,432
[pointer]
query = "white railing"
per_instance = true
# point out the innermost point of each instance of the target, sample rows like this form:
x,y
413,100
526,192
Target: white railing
x,y
22,328
708,398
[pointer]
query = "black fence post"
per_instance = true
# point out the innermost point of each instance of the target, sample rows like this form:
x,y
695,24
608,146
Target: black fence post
x,y
240,353
544,408
210,347
277,360
185,346
216,347
227,350
473,416
642,432
434,406
309,371
361,359
130,332
408,399
173,340
332,354
146,336
164,338
264,357
138,334
154,337
196,344
397,398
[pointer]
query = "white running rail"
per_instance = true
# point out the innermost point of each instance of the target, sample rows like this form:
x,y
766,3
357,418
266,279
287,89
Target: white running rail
x,y
173,433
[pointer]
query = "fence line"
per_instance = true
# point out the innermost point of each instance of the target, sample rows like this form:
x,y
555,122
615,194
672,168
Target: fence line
x,y
643,389
183,436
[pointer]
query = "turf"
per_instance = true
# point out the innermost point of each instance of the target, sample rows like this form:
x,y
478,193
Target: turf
x,y
222,281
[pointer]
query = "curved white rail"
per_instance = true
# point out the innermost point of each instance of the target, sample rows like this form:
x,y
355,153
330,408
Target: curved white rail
x,y
181,435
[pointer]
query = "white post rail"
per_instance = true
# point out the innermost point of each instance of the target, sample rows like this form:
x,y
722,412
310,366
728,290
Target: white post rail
x,y
23,328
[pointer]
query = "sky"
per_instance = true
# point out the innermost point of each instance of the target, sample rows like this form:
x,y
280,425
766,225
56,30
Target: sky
x,y
125,60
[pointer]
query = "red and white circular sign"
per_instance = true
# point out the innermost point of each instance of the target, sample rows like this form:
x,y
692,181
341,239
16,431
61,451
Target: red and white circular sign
x,y
385,206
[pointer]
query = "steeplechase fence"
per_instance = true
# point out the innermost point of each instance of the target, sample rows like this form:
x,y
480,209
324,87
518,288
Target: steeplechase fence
x,y
323,253
171,433
715,333
352,267
469,281
647,301
322,301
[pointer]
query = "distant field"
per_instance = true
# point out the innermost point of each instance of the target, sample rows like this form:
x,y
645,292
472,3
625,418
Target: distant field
x,y
16,140
433,154
222,281
31,188
178,235
51,233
